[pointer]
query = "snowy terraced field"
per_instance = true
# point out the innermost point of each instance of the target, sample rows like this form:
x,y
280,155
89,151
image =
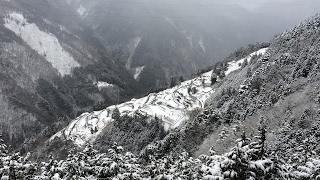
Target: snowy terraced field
x,y
172,106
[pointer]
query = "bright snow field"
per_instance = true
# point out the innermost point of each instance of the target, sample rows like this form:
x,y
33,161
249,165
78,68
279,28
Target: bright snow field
x,y
44,43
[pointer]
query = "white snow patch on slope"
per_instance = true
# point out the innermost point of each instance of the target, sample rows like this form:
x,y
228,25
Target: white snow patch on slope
x,y
201,44
132,46
235,65
44,43
170,21
81,10
172,106
138,72
102,85
189,38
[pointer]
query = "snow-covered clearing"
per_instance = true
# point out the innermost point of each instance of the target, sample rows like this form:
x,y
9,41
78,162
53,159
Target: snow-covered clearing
x,y
132,46
81,10
102,85
201,44
138,72
46,44
235,65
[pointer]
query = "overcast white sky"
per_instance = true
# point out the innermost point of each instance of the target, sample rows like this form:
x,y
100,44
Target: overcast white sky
x,y
293,11
289,9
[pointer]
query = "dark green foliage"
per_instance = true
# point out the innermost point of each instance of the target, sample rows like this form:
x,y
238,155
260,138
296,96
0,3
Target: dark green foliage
x,y
3,148
249,73
244,64
82,99
256,84
219,69
174,81
226,95
214,78
302,142
53,101
258,146
116,115
133,134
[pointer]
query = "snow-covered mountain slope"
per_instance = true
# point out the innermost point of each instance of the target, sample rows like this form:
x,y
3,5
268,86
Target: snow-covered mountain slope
x,y
46,44
172,106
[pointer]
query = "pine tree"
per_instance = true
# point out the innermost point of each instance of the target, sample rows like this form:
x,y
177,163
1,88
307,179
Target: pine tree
x,y
3,148
258,149
116,114
3,158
